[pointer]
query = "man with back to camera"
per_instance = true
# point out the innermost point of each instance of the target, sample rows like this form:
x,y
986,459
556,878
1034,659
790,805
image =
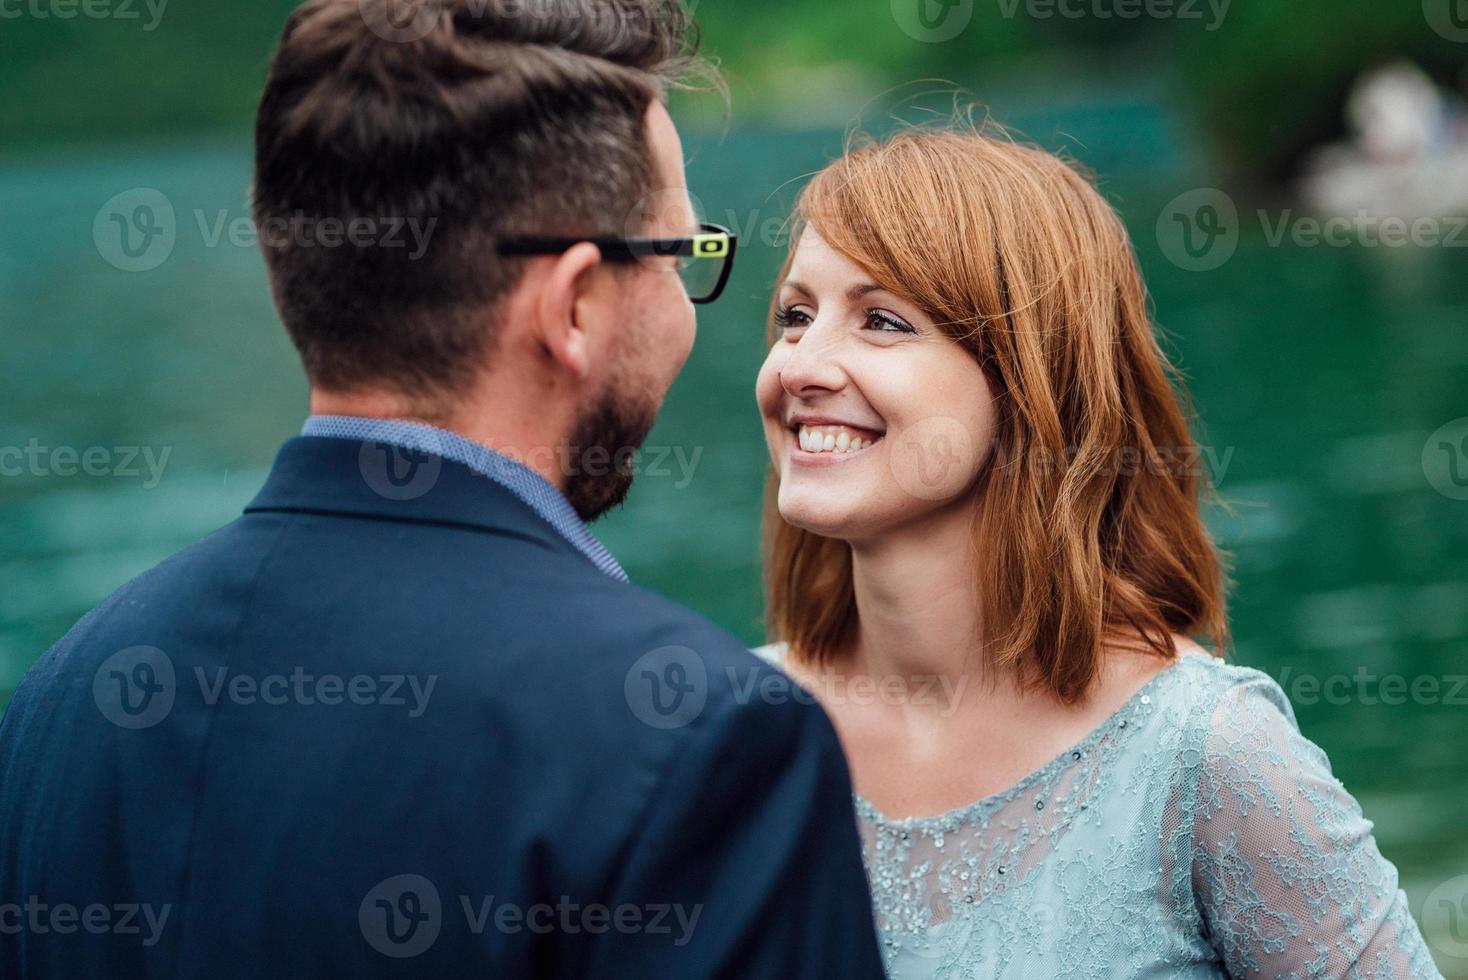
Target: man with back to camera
x,y
406,716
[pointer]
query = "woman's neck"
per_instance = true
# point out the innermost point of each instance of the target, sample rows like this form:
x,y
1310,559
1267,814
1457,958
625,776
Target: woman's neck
x,y
917,607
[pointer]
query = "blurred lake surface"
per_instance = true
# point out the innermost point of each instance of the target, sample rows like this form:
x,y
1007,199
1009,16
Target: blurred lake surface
x,y
1320,374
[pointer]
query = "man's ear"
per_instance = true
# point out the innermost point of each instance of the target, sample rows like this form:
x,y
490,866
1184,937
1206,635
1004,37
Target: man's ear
x,y
558,310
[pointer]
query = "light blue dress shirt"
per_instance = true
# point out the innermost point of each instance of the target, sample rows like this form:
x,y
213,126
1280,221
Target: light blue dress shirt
x,y
535,490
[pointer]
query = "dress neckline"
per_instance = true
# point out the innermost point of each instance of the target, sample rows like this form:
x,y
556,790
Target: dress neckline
x,y
948,819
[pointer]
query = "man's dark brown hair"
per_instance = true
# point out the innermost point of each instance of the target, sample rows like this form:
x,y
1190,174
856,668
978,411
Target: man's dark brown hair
x,y
458,122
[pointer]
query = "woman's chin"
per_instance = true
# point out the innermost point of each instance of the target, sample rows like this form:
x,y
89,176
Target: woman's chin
x,y
822,517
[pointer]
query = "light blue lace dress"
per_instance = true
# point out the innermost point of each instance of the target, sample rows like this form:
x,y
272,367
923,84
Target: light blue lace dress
x,y
1195,833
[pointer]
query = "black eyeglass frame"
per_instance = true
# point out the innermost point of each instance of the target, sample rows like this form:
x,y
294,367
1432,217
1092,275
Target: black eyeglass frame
x,y
712,242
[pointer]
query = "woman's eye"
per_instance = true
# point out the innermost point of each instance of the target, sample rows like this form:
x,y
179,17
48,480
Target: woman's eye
x,y
887,323
786,316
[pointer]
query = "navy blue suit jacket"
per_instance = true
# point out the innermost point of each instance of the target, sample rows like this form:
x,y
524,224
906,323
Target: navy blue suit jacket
x,y
353,735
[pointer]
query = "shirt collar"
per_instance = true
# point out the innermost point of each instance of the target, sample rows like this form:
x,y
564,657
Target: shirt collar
x,y
535,490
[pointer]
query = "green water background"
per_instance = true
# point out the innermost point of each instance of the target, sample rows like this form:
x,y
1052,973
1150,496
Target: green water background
x,y
1320,374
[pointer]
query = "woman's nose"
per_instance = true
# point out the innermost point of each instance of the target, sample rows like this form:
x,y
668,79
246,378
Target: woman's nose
x,y
812,368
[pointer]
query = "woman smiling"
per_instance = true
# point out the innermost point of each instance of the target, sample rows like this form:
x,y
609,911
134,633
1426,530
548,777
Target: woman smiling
x,y
981,474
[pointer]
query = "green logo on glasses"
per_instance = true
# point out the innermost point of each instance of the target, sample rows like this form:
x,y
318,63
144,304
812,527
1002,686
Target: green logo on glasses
x,y
714,246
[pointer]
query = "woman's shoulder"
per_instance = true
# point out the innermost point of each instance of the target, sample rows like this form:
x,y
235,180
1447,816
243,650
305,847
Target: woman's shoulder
x,y
1228,711
1204,680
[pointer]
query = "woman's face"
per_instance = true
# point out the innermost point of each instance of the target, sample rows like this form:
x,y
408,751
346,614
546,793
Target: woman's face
x,y
874,417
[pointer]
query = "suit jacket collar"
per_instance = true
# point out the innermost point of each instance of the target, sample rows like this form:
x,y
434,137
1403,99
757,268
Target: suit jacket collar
x,y
343,476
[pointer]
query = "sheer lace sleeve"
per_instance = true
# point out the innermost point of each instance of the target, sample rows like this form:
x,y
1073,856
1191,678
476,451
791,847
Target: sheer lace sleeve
x,y
1286,873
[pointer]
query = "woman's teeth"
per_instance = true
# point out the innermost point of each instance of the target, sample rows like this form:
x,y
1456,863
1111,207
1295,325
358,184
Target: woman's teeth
x,y
832,439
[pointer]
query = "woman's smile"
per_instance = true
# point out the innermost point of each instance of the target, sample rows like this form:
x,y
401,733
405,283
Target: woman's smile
x,y
823,441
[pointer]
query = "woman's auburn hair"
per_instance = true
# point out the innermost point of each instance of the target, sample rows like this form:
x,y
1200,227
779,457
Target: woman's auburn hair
x,y
1088,527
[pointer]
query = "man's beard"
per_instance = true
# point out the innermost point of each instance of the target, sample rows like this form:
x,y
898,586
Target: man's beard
x,y
602,451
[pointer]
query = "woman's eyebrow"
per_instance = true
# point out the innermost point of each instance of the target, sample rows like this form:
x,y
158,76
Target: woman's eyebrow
x,y
853,294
